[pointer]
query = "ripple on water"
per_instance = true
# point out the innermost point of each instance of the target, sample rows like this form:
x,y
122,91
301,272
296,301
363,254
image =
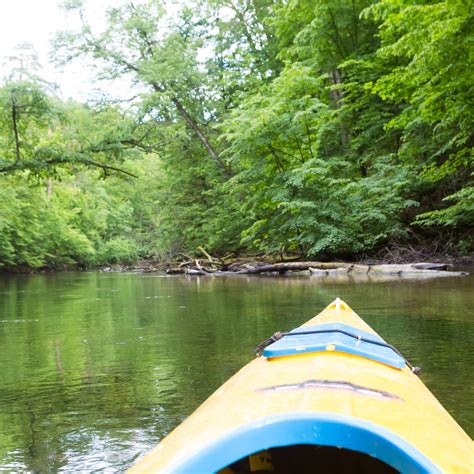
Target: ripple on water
x,y
16,321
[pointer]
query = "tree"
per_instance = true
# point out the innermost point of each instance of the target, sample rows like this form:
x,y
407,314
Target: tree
x,y
163,61
328,129
40,133
313,155
429,48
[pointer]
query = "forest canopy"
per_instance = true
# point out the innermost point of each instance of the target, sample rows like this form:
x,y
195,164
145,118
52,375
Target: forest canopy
x,y
316,128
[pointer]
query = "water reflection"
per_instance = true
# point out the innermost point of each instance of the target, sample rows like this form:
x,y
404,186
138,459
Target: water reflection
x,y
98,367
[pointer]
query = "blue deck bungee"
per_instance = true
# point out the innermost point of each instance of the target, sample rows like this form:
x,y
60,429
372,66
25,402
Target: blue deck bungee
x,y
335,337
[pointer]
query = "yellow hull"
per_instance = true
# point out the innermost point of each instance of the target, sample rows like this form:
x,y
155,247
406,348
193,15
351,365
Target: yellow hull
x,y
359,403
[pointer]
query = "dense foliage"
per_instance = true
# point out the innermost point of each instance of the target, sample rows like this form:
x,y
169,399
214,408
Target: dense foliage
x,y
321,128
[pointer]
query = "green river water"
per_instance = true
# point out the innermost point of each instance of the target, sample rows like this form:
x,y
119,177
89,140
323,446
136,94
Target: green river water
x,y
96,368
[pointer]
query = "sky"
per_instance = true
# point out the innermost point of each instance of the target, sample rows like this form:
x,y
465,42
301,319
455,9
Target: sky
x,y
35,22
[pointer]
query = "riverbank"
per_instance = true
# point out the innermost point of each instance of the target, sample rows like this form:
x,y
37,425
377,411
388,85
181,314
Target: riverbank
x,y
202,261
197,267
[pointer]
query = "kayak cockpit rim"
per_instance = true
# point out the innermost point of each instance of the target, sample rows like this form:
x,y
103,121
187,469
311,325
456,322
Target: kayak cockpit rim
x,y
292,429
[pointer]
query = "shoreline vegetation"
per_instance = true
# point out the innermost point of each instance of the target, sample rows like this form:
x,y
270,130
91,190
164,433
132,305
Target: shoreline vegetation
x,y
398,261
327,131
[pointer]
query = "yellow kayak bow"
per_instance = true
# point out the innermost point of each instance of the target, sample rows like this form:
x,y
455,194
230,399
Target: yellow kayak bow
x,y
329,396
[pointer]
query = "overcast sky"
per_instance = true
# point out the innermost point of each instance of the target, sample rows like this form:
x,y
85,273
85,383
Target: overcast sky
x,y
35,22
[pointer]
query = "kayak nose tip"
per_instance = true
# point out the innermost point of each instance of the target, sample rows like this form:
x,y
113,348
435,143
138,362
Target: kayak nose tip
x,y
338,304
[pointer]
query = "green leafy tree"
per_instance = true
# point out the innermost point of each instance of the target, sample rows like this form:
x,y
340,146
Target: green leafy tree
x,y
327,129
428,46
164,61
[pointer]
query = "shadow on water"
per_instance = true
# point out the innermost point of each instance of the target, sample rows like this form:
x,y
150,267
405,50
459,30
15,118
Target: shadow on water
x,y
96,368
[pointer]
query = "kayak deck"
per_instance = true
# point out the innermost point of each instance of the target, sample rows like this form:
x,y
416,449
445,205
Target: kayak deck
x,y
331,398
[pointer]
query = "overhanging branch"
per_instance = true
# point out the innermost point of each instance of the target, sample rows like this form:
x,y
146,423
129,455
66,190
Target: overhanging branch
x,y
38,165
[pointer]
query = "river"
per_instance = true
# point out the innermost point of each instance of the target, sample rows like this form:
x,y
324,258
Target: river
x,y
96,368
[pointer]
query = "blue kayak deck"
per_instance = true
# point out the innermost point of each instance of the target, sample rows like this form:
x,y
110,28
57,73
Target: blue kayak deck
x,y
335,337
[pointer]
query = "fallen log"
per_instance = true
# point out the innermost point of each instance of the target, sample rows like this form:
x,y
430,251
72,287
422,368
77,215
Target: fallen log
x,y
406,268
430,266
286,266
389,269
413,270
432,273
422,269
194,271
330,271
175,271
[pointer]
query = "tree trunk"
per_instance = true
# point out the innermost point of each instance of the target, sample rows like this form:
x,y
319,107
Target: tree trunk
x,y
195,127
338,98
202,137
15,129
284,267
